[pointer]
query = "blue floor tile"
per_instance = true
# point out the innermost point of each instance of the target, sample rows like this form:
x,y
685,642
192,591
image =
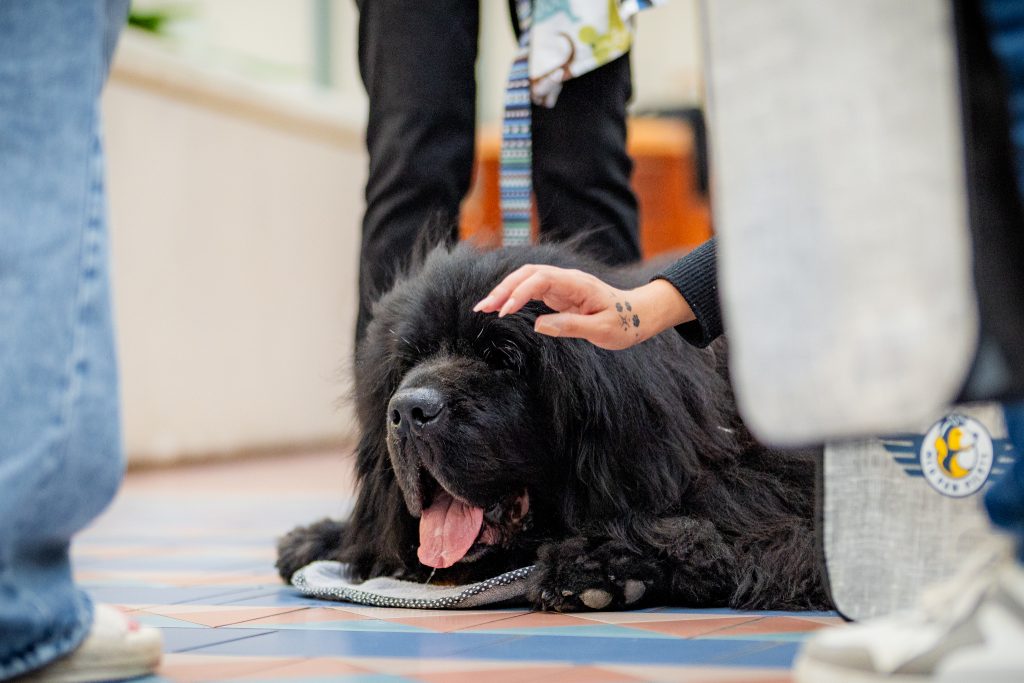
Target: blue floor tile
x,y
739,613
510,648
194,639
621,651
357,644
764,655
588,631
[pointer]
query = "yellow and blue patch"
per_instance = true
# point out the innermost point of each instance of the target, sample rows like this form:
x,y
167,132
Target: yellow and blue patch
x,y
957,456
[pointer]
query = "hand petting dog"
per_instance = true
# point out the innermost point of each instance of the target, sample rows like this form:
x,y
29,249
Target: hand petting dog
x,y
587,307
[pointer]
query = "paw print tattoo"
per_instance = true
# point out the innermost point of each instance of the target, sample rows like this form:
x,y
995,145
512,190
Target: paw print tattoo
x,y
622,319
624,316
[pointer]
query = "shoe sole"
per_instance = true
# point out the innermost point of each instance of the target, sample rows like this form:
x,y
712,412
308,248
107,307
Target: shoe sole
x,y
807,670
143,662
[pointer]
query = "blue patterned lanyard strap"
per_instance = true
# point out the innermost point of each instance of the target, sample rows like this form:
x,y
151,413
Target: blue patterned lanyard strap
x,y
516,146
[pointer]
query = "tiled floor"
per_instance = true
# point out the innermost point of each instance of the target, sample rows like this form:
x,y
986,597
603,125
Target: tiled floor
x,y
191,550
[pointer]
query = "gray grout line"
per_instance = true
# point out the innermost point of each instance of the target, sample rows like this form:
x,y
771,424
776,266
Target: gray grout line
x,y
221,642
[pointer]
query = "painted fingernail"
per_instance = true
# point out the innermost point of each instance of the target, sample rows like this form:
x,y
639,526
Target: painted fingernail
x,y
483,303
509,305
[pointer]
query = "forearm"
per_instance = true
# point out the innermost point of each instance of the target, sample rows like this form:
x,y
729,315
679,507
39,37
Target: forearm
x,y
695,278
656,307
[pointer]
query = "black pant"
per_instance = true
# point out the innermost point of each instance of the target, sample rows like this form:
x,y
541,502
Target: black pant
x,y
417,61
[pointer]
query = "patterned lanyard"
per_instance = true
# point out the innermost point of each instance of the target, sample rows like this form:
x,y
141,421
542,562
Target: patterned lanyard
x,y
516,166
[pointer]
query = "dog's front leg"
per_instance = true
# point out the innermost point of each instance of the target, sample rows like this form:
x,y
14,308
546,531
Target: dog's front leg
x,y
321,540
586,573
702,565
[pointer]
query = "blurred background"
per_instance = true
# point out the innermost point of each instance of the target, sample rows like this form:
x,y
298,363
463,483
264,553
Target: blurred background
x,y
236,169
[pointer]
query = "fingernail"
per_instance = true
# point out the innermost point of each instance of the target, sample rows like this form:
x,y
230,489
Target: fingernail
x,y
547,327
504,309
483,303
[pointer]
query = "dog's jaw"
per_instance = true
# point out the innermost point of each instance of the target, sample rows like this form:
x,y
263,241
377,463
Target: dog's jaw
x,y
502,520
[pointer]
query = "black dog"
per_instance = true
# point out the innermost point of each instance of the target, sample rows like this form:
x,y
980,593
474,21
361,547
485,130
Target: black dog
x,y
626,476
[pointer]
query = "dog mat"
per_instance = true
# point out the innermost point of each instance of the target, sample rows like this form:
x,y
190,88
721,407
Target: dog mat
x,y
326,580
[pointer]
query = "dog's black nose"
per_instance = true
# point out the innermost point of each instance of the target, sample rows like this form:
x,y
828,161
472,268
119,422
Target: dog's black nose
x,y
416,409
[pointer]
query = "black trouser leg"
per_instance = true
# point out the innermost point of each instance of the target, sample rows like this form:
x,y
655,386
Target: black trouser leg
x,y
581,172
417,62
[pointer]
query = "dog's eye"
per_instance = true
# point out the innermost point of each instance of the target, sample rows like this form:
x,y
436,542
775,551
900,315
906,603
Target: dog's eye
x,y
504,354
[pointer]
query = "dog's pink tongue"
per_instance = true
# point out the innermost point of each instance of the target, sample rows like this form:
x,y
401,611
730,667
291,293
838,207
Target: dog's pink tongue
x,y
448,529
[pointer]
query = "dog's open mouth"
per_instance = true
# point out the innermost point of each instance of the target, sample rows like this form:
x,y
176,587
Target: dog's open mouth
x,y
452,529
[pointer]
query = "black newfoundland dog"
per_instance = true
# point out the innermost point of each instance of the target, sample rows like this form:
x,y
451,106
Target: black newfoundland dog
x,y
625,476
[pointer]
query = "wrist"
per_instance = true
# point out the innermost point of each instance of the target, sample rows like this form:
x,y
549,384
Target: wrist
x,y
662,306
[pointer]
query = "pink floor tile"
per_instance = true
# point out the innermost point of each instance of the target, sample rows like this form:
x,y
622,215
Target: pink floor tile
x,y
319,667
536,620
639,617
704,674
329,471
561,674
309,615
186,668
691,628
454,621
771,625
392,613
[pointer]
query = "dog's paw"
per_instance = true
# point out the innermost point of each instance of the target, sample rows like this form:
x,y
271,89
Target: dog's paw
x,y
580,574
305,544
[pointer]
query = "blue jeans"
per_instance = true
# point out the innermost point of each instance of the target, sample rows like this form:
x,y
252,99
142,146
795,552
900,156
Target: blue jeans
x,y
60,444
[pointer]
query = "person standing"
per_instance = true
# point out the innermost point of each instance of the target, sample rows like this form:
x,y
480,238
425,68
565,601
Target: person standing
x,y
417,61
60,442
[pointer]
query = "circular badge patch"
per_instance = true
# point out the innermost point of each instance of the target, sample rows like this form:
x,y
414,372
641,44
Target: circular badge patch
x,y
957,455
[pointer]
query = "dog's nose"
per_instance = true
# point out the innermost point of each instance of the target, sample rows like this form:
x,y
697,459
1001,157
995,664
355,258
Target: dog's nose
x,y
416,410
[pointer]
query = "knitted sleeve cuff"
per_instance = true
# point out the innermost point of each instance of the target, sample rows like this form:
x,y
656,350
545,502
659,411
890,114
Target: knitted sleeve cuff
x,y
695,276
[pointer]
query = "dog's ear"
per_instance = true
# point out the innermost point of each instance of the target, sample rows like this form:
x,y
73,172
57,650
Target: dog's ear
x,y
381,532
617,460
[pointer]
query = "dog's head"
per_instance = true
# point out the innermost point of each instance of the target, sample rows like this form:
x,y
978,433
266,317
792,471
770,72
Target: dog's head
x,y
481,437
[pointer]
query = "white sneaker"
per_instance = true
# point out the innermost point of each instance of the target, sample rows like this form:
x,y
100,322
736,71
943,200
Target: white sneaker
x,y
117,648
969,629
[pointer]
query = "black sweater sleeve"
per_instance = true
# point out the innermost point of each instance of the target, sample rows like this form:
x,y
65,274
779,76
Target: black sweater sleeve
x,y
696,277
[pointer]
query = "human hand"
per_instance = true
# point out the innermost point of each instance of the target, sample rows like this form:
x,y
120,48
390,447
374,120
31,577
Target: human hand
x,y
588,308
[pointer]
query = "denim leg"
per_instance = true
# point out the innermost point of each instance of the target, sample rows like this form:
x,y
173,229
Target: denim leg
x,y
1005,500
60,450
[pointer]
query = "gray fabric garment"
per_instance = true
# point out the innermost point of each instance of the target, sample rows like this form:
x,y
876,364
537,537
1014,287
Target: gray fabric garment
x,y
889,532
843,245
326,580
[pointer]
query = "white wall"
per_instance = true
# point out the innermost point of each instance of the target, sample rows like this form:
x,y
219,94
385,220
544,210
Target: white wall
x,y
272,40
668,70
235,236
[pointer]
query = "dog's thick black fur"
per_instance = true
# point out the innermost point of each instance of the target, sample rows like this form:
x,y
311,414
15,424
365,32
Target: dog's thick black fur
x,y
626,476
